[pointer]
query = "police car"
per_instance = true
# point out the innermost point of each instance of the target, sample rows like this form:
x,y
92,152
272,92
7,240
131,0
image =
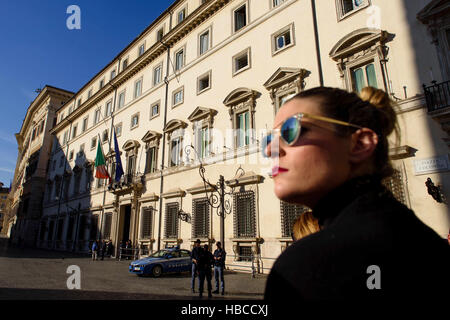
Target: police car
x,y
162,261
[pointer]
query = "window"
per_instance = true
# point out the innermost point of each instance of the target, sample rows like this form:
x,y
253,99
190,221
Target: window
x,y
200,225
66,137
177,97
179,59
160,34
171,221
81,152
93,142
125,64
97,116
108,109
276,3
118,129
113,74
204,82
204,40
394,183
74,131
102,84
71,155
243,127
345,7
289,212
154,110
85,124
241,61
121,100
134,120
157,74
181,15
364,76
244,215
89,93
203,142
283,39
70,110
76,187
175,152
150,163
146,223
79,102
141,49
240,17
105,136
138,88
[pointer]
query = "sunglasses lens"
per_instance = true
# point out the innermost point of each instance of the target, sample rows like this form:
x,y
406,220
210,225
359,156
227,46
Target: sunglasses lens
x,y
265,142
290,130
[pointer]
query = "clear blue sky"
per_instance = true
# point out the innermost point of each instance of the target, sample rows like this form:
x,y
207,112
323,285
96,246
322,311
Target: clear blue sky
x,y
36,48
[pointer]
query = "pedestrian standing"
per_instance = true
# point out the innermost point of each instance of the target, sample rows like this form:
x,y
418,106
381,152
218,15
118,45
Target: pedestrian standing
x,y
219,266
103,250
109,248
94,250
195,255
204,270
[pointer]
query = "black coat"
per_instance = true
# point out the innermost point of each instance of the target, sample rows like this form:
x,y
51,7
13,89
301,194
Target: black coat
x,y
362,225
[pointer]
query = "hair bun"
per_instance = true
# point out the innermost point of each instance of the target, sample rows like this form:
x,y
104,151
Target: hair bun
x,y
381,100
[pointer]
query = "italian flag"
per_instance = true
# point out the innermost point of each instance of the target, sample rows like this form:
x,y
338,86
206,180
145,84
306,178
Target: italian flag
x,y
100,164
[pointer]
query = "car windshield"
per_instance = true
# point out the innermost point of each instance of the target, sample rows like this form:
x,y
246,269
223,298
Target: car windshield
x,y
159,254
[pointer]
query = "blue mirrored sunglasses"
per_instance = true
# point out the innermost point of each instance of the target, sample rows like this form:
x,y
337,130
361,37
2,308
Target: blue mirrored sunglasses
x,y
290,130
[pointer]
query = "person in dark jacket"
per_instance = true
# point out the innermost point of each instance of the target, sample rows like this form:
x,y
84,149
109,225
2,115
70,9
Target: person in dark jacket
x,y
204,270
195,255
331,150
219,265
102,250
94,250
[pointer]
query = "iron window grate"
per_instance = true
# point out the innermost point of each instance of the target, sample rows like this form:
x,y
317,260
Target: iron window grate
x,y
289,212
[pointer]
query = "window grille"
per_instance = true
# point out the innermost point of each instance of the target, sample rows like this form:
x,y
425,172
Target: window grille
x,y
171,221
289,212
244,215
245,254
147,222
201,218
394,183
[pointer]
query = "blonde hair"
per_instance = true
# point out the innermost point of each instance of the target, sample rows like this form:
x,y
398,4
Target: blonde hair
x,y
304,225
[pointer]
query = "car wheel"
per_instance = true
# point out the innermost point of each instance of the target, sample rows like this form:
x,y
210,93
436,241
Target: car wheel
x,y
157,271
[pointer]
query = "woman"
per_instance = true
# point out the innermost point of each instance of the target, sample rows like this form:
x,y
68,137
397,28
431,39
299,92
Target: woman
x,y
331,152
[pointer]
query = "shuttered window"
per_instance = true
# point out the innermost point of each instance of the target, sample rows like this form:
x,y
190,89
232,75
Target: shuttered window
x,y
171,221
146,223
244,215
200,224
107,226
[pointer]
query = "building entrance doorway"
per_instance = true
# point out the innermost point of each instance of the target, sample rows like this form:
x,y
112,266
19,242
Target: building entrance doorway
x,y
125,223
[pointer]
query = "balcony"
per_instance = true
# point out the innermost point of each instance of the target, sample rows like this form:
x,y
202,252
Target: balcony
x,y
127,184
438,103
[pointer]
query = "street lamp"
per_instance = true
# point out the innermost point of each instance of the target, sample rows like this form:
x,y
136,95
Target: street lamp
x,y
217,197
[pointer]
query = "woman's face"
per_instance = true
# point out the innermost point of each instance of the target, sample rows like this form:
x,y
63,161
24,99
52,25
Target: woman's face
x,y
317,162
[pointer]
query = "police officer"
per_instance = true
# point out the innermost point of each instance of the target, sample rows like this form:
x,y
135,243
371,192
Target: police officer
x,y
204,270
219,265
195,255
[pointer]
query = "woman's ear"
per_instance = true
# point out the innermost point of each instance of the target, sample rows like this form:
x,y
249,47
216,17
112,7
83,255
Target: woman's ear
x,y
363,144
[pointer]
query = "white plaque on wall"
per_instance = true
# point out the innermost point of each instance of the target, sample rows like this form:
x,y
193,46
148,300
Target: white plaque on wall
x,y
430,165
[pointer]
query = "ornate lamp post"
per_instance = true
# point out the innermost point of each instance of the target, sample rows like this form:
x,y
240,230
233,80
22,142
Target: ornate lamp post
x,y
216,198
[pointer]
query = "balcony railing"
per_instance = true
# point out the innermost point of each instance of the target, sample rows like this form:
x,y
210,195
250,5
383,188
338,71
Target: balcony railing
x,y
127,181
437,95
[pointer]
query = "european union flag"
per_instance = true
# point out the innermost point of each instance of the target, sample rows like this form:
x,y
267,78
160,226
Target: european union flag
x,y
119,168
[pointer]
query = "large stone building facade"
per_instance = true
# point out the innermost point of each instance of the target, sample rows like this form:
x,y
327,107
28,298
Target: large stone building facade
x,y
193,94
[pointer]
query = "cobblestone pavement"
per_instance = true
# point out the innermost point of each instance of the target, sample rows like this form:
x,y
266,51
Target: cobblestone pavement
x,y
39,274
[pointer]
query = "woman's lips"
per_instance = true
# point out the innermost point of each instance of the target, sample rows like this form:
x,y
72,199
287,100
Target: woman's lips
x,y
277,170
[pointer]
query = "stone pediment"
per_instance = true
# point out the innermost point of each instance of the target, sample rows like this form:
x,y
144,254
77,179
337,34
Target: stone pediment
x,y
174,125
201,113
434,8
151,135
283,75
131,144
239,95
357,41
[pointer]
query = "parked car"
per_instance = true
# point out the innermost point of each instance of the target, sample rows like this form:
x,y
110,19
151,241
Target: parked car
x,y
162,261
